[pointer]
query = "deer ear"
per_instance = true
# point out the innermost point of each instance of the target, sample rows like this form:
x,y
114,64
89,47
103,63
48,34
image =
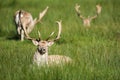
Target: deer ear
x,y
35,42
50,43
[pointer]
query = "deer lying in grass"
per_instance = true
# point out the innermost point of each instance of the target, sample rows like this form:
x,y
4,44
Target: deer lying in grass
x,y
41,56
87,21
25,23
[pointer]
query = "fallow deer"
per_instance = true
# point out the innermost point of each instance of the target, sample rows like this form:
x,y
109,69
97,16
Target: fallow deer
x,y
24,22
41,56
87,21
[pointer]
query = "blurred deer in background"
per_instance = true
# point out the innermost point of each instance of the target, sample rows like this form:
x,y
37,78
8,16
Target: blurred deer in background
x,y
87,21
41,56
24,22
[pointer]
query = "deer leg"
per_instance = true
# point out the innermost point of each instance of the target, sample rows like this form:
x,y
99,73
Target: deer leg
x,y
22,35
18,30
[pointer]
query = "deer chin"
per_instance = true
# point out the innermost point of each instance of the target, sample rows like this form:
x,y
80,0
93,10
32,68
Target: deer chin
x,y
42,53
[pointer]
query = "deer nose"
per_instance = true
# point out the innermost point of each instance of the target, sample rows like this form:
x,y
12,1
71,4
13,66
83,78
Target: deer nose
x,y
43,50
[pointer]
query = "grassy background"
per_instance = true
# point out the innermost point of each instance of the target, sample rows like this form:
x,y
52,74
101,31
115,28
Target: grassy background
x,y
96,51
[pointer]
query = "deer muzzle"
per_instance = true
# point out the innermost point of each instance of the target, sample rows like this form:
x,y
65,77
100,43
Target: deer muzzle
x,y
42,50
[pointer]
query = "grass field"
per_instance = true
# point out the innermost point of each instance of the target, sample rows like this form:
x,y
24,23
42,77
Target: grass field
x,y
96,51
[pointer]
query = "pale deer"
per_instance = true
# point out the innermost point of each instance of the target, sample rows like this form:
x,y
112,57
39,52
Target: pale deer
x,y
41,56
25,23
87,21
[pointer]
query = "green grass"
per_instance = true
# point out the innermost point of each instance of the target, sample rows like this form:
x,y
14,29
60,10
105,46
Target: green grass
x,y
96,51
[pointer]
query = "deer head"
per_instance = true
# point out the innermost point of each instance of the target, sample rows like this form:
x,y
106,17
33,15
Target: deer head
x,y
44,44
87,21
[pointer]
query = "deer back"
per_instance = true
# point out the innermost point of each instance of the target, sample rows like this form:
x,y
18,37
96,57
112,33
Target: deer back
x,y
58,59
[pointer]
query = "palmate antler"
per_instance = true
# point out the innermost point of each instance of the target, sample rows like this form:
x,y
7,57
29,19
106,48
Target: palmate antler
x,y
77,8
98,7
24,22
98,11
41,15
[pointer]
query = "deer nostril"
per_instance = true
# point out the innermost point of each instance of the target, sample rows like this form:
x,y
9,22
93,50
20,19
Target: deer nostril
x,y
43,50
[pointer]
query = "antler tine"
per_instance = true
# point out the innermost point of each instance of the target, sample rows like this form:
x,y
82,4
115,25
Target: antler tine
x,y
98,7
41,15
77,8
98,11
60,29
39,35
29,38
78,11
50,36
59,32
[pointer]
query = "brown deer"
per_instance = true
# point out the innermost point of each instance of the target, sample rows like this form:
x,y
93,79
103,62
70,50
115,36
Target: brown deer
x,y
41,56
87,21
24,22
